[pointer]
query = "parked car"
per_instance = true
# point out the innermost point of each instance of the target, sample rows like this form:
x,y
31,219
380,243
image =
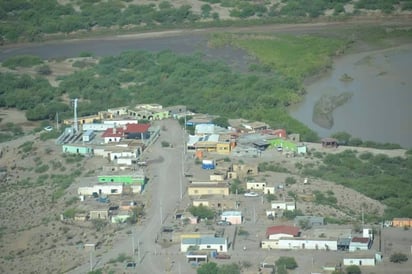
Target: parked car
x,y
48,128
251,194
223,256
131,265
222,222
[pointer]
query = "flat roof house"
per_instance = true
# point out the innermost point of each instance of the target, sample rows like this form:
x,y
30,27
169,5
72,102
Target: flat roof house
x,y
204,243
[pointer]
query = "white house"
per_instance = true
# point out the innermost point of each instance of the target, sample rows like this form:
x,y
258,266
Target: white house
x,y
359,243
269,189
234,217
288,204
101,189
310,244
252,185
113,135
202,243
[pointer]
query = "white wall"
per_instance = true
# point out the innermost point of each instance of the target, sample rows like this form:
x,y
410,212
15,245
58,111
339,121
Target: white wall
x,y
359,261
255,185
108,189
279,235
311,244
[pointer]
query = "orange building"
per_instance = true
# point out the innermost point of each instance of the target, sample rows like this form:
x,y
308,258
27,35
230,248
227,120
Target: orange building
x,y
402,222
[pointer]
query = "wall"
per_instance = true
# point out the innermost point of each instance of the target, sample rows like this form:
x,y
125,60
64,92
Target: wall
x,y
209,190
315,244
359,261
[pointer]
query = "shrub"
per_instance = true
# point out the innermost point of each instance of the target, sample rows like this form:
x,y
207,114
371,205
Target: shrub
x,y
22,61
398,258
44,70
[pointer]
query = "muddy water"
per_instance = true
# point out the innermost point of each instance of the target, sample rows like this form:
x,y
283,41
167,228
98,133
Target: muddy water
x,y
380,108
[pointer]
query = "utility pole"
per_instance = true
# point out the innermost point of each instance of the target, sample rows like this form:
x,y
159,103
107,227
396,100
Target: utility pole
x,y
91,260
161,214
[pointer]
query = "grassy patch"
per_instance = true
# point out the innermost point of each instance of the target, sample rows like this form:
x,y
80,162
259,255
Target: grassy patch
x,y
22,61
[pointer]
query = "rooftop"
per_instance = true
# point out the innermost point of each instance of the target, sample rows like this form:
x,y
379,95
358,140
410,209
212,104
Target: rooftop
x,y
282,229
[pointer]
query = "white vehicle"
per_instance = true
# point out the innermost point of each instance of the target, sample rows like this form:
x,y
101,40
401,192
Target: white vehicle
x,y
48,128
251,194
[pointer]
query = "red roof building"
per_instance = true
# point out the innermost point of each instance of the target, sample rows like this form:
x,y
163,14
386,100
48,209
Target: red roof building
x,y
280,231
136,128
113,133
137,131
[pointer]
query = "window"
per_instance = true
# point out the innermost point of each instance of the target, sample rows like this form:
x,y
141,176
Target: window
x,y
208,246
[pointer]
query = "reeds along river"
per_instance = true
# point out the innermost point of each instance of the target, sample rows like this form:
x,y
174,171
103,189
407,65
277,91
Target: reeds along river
x,y
380,108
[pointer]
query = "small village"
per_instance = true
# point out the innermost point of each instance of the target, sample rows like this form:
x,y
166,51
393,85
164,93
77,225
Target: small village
x,y
245,219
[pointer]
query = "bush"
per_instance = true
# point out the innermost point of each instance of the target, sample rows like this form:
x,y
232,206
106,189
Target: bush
x,y
353,269
22,61
398,258
286,262
44,70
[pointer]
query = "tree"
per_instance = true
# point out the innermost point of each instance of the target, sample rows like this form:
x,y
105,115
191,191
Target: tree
x,y
202,212
206,8
286,262
208,268
353,269
229,269
398,258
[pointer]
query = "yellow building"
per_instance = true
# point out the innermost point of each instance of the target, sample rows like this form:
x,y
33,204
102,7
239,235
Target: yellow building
x,y
208,189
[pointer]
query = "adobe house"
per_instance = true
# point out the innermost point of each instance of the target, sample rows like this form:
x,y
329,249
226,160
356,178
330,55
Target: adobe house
x,y
102,214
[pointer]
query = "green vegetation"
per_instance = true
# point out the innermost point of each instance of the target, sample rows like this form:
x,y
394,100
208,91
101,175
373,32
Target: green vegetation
x,y
213,268
22,61
353,269
236,187
10,131
35,20
398,257
378,176
202,212
285,263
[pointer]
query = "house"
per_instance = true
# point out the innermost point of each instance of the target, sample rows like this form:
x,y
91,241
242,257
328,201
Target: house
x,y
252,185
360,243
402,222
234,217
287,204
137,131
113,135
245,170
213,201
77,149
101,214
132,182
213,188
309,221
101,189
281,231
255,126
88,135
362,259
204,243
301,243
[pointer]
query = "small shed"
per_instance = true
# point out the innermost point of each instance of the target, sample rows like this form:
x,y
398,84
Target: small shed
x,y
88,135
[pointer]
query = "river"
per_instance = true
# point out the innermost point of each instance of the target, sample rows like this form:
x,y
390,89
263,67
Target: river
x,y
380,108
